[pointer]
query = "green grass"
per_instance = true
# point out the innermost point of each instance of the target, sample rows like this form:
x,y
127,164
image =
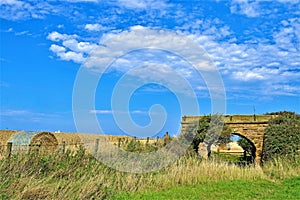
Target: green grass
x,y
235,189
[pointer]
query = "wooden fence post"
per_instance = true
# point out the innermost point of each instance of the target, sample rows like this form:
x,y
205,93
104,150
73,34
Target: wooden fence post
x,y
119,142
63,147
8,150
96,146
166,138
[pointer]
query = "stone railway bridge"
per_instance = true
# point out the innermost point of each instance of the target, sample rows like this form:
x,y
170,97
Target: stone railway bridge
x,y
251,127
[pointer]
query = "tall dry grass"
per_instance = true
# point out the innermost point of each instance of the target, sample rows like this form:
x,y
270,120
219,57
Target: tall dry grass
x,y
80,176
281,168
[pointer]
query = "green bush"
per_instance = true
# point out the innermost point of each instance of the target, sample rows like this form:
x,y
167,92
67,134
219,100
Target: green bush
x,y
282,138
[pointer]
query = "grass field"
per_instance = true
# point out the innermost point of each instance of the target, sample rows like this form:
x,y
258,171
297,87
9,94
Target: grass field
x,y
80,176
234,189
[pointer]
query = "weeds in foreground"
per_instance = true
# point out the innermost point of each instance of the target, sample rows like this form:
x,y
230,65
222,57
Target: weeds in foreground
x,y
80,176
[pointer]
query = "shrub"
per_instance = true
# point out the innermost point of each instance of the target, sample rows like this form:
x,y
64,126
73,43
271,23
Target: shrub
x,y
282,138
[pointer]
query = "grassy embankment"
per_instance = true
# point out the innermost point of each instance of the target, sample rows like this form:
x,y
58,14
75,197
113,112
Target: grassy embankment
x,y
80,176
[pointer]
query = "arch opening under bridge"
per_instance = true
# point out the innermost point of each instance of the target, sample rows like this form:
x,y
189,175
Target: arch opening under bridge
x,y
250,148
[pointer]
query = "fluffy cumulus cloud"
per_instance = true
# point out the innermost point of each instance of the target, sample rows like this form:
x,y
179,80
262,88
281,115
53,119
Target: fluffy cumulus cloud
x,y
151,55
55,36
70,49
71,56
74,45
57,49
115,45
93,27
63,54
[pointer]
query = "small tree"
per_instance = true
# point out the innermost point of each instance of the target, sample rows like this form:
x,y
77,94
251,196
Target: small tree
x,y
209,132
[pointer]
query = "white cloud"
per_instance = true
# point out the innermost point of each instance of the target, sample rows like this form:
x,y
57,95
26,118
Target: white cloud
x,y
20,10
24,116
57,49
140,112
243,61
138,37
252,8
256,59
22,33
15,112
282,89
24,113
10,30
143,4
63,54
240,59
83,47
245,7
288,37
261,63
70,48
101,111
153,56
93,27
55,36
70,55
248,75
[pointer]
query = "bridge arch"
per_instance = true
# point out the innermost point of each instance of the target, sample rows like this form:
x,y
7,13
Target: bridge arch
x,y
253,132
252,127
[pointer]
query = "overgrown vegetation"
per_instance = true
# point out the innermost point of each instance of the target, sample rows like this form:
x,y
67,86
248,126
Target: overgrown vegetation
x,y
214,137
249,149
282,138
80,176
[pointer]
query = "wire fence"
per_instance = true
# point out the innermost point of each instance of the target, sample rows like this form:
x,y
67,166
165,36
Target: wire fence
x,y
6,150
24,142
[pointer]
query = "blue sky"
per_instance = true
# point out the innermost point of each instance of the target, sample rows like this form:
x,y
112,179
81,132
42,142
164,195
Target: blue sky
x,y
254,45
